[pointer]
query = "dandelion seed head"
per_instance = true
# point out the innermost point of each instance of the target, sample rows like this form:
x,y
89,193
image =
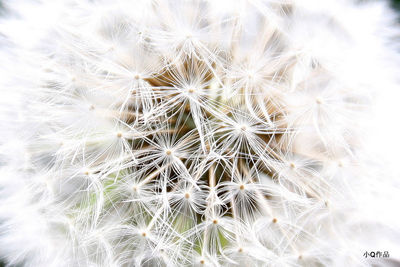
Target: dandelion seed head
x,y
193,133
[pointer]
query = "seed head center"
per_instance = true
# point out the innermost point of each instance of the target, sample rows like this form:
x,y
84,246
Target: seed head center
x,y
318,100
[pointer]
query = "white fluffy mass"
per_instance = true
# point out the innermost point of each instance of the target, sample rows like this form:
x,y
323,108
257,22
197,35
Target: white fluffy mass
x,y
198,133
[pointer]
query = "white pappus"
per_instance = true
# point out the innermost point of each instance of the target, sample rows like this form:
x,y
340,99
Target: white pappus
x,y
198,133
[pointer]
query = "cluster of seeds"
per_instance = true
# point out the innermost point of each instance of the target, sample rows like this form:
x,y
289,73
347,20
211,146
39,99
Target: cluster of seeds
x,y
192,133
